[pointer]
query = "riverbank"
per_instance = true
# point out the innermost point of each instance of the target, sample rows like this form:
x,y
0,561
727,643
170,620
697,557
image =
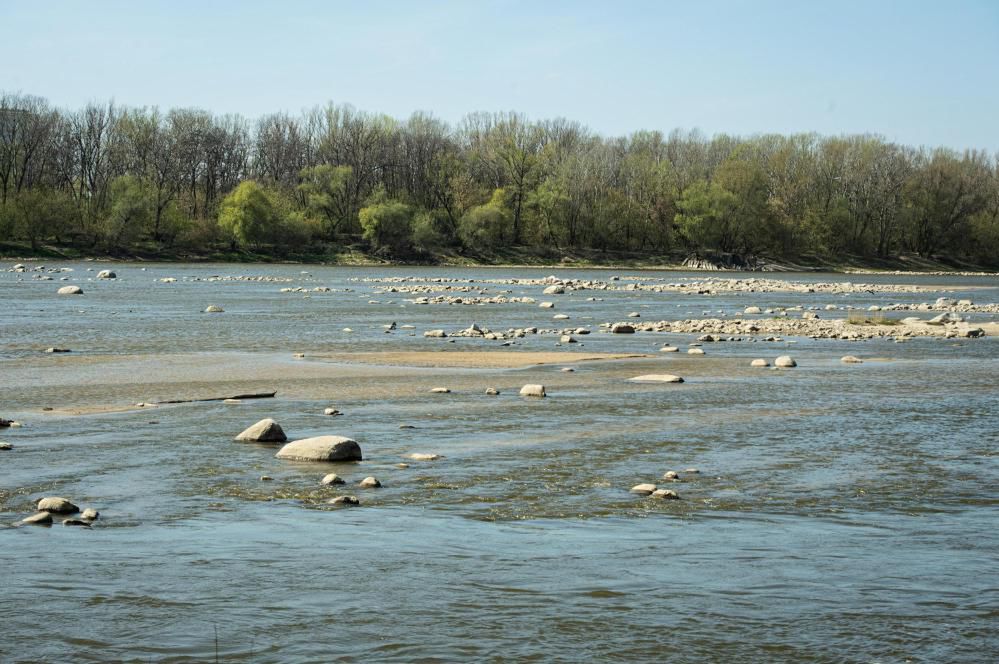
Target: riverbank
x,y
356,256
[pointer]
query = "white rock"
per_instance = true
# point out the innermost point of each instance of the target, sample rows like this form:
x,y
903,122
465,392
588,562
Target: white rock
x,y
785,361
419,456
57,505
331,478
622,328
369,483
214,309
264,431
759,362
695,351
440,390
657,378
533,390
40,519
752,310
436,334
106,274
850,359
345,500
321,448
70,290
643,489
90,514
669,349
666,494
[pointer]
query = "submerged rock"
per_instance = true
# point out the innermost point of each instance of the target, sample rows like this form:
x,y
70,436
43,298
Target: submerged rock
x,y
369,483
344,500
332,478
264,431
321,448
106,274
76,522
656,378
90,514
666,494
39,519
57,505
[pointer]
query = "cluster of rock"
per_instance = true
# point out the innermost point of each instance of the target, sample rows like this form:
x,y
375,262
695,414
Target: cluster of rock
x,y
59,506
477,332
653,490
472,300
716,329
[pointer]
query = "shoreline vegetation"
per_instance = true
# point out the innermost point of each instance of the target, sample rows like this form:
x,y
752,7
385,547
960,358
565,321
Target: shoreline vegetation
x,y
337,185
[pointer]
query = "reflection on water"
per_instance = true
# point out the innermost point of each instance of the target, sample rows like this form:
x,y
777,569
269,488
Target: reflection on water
x,y
842,512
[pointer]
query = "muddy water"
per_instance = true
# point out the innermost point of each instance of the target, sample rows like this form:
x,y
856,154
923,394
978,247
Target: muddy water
x,y
842,512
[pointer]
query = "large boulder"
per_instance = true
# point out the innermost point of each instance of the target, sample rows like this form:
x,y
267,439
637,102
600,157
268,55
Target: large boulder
x,y
321,448
622,328
785,361
533,390
656,378
57,505
264,431
70,290
554,289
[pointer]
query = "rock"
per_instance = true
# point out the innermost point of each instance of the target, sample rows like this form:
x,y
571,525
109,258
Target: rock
x,y
40,519
57,505
106,274
436,334
665,494
672,476
264,431
57,350
669,349
214,309
90,514
232,402
369,483
695,351
547,305
965,303
298,356
622,328
492,391
76,522
691,471
402,466
785,361
533,390
266,478
643,489
321,448
441,390
555,289
345,500
406,426
974,333
560,317
70,290
946,317
759,362
332,478
850,359
418,456
4,446
333,412
567,339
567,370
945,302
751,311
634,314
656,378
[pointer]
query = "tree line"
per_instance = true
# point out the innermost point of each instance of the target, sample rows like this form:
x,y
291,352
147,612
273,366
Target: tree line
x,y
115,179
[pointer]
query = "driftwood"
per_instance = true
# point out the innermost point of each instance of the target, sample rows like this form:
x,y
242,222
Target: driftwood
x,y
259,395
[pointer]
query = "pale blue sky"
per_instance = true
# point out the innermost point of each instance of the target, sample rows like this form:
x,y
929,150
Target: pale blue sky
x,y
923,73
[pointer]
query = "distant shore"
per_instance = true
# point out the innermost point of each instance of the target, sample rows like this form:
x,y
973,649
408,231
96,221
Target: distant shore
x,y
510,258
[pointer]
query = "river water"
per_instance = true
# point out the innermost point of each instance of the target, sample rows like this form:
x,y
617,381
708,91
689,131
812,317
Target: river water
x,y
842,513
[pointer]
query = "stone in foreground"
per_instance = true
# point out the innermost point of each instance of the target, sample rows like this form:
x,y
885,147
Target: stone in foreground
x,y
321,448
533,390
656,378
40,519
57,505
264,431
785,361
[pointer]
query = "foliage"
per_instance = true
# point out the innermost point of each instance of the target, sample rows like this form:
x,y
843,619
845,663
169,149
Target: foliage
x,y
248,216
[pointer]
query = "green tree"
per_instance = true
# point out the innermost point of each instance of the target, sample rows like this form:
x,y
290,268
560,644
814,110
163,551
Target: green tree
x,y
130,214
484,226
247,215
325,190
387,224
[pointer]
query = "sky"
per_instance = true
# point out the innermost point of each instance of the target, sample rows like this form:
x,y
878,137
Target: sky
x,y
914,71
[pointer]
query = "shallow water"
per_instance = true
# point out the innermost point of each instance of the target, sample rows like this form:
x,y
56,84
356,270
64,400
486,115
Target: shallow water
x,y
842,512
